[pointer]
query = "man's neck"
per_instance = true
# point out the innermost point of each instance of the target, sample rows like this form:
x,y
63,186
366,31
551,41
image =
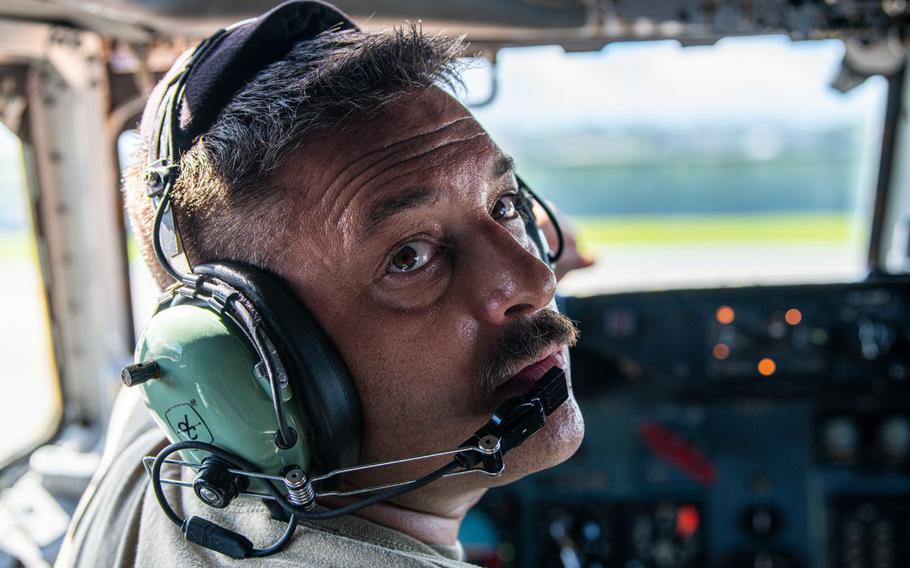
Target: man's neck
x,y
431,523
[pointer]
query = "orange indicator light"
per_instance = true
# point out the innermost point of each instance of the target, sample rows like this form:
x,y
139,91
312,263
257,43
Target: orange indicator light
x,y
793,316
725,315
766,367
721,351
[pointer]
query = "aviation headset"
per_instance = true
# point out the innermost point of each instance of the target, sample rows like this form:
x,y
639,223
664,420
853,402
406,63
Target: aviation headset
x,y
232,366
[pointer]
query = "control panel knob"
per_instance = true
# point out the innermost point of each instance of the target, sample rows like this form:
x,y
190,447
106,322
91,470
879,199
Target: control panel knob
x,y
894,438
876,339
761,520
840,438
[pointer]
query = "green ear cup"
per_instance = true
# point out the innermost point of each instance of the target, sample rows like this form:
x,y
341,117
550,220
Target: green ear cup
x,y
209,389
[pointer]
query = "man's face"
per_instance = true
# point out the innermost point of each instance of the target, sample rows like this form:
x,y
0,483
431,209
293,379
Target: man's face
x,y
412,257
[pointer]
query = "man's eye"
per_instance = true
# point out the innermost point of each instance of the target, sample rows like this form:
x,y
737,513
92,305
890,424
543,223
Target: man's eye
x,y
504,207
410,257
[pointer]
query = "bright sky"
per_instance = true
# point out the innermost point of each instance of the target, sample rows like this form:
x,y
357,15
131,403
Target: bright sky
x,y
737,80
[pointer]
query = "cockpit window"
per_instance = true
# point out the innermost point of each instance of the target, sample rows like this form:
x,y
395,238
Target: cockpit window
x,y
30,402
735,163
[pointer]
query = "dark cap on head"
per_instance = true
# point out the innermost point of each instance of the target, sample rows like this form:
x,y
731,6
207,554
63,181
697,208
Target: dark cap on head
x,y
236,57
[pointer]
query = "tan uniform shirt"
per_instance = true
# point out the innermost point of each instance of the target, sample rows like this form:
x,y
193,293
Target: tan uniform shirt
x,y
119,522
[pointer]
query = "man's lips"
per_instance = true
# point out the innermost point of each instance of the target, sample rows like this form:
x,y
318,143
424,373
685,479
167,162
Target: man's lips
x,y
535,371
525,378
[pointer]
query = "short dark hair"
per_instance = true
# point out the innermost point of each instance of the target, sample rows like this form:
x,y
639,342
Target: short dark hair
x,y
226,204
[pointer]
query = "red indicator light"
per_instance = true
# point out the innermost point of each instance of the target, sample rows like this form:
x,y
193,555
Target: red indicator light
x,y
687,520
721,351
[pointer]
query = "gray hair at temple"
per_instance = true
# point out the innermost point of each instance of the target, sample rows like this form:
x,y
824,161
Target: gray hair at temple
x,y
226,204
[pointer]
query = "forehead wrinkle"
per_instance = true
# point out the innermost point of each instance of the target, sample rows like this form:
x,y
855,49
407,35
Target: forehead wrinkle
x,y
422,162
372,216
341,210
422,156
376,156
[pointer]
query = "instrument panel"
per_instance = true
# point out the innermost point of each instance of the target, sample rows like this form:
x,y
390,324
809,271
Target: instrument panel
x,y
767,341
758,427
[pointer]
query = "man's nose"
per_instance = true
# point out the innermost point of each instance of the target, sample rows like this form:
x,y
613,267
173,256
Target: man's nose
x,y
512,279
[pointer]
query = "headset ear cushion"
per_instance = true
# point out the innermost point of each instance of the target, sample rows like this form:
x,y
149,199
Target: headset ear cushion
x,y
320,380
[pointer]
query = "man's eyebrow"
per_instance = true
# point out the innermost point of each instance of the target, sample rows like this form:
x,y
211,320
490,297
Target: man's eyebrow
x,y
384,208
504,165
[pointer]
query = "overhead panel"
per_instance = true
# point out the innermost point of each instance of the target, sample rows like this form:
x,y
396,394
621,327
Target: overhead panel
x,y
517,13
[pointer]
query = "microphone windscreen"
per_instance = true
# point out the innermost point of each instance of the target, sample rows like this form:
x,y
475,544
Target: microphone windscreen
x,y
554,390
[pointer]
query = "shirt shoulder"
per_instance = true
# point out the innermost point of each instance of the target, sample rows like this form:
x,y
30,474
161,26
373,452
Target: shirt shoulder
x,y
322,546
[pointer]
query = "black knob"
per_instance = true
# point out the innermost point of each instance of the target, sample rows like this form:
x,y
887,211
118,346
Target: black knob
x,y
215,485
894,438
761,520
133,375
841,438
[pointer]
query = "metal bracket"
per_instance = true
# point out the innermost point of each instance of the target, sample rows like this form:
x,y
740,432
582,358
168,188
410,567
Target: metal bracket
x,y
158,176
489,447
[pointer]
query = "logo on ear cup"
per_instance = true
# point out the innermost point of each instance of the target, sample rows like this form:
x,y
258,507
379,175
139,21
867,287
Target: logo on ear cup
x,y
187,424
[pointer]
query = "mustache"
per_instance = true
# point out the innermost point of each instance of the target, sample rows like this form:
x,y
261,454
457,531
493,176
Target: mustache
x,y
521,340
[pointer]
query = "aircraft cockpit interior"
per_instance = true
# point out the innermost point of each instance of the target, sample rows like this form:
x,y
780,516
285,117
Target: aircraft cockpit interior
x,y
735,172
